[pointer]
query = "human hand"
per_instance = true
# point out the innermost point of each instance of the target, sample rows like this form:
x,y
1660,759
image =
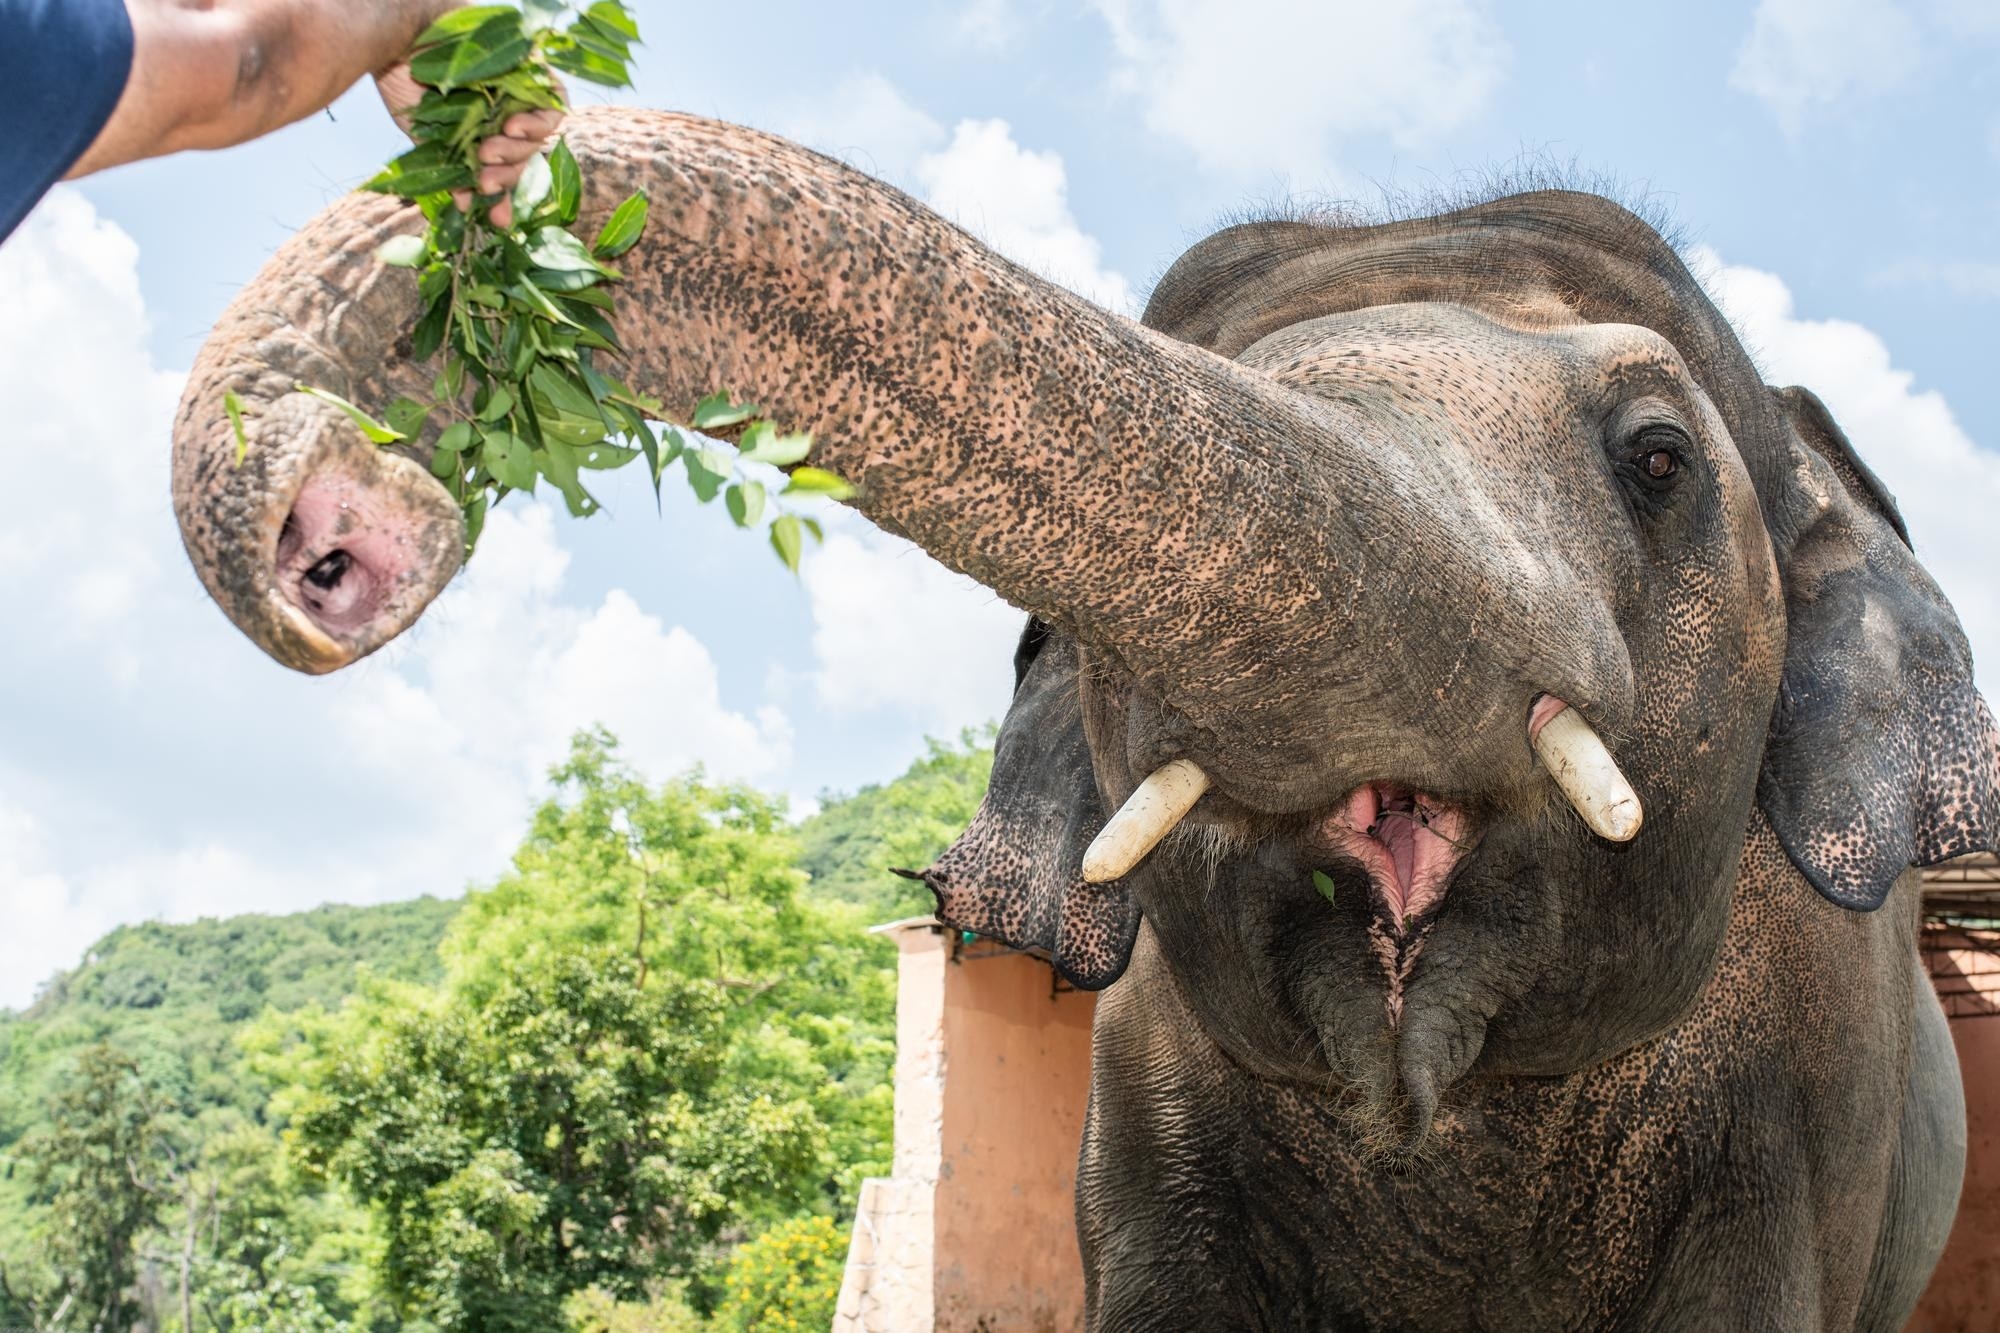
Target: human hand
x,y
501,157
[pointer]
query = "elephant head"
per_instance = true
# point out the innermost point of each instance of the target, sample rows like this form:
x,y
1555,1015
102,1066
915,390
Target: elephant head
x,y
1443,599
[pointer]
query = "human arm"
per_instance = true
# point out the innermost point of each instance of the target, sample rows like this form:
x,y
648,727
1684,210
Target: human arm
x,y
213,73
502,157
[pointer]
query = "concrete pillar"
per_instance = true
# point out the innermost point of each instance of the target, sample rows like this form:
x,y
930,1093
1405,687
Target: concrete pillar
x,y
976,1227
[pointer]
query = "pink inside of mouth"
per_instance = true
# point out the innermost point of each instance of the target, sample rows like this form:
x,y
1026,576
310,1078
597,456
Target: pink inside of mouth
x,y
1407,841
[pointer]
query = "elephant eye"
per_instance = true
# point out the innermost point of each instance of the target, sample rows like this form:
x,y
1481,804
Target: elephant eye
x,y
1652,461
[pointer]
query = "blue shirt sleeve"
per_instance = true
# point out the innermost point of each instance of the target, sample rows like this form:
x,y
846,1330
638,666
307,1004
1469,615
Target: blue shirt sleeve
x,y
63,65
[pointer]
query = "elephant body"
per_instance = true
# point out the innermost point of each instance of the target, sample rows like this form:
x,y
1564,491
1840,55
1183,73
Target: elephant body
x,y
1554,712
1743,1170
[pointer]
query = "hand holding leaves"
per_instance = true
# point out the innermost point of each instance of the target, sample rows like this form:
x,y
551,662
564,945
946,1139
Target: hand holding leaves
x,y
520,308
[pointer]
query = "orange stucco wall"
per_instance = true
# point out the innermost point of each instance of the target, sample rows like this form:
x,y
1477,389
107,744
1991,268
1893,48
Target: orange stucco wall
x,y
1018,1055
1964,1294
975,1230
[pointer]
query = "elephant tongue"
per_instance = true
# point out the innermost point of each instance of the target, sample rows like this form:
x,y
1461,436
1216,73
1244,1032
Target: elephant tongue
x,y
1408,843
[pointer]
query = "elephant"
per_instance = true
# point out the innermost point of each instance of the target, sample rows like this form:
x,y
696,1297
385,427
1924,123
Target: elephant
x,y
1484,731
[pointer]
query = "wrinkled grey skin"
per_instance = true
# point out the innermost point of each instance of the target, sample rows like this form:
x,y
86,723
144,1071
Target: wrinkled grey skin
x,y
1352,502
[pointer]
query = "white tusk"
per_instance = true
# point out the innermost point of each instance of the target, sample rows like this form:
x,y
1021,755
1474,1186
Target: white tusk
x,y
1589,776
1148,815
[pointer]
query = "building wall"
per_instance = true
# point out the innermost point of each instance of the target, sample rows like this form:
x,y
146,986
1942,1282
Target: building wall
x,y
1018,1051
1964,1294
976,1229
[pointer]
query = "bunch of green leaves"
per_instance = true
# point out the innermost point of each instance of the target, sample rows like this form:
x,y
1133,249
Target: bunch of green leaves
x,y
523,315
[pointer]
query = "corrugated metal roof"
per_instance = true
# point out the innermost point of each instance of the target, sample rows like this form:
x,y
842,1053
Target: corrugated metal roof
x,y
1978,873
1961,939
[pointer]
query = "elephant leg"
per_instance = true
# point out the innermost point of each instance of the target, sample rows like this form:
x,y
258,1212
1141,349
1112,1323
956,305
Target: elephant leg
x,y
1925,1176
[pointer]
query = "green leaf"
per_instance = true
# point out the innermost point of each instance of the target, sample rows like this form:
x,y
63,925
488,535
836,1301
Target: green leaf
x,y
373,429
536,181
447,383
621,230
612,14
775,449
603,457
745,501
499,401
402,251
1324,883
558,251
818,481
563,391
672,445
566,281
716,411
406,416
475,521
428,336
557,462
590,65
539,15
787,540
707,472
508,457
572,431
458,22
537,300
455,438
812,526
566,191
233,405
489,50
426,169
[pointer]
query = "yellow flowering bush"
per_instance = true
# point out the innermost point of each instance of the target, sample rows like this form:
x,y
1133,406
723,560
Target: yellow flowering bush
x,y
786,1279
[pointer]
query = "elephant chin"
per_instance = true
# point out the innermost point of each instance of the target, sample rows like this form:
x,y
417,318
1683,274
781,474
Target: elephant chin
x,y
1393,1074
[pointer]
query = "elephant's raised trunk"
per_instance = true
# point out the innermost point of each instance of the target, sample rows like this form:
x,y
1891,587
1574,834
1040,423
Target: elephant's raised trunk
x,y
1219,534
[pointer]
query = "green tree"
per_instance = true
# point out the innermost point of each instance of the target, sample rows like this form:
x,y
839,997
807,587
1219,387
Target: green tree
x,y
569,1129
668,1310
700,881
99,1168
853,847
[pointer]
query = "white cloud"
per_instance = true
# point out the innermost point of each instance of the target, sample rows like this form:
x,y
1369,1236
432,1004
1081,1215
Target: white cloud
x,y
1014,199
1253,87
866,122
990,25
1803,55
1967,18
504,669
1947,487
1017,201
893,629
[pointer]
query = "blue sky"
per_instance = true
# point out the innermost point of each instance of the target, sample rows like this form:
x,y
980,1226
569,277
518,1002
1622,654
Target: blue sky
x,y
1835,165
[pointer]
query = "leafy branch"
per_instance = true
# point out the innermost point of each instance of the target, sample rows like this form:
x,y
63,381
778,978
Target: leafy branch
x,y
524,314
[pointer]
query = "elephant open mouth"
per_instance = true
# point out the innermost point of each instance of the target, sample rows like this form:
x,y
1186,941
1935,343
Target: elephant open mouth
x,y
1408,841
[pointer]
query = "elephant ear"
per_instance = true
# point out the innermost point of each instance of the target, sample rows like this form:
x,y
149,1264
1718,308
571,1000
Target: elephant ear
x,y
1882,755
1016,874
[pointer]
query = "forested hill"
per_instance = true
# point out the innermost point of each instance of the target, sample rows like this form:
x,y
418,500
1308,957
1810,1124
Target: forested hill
x,y
174,995
243,1075
180,992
